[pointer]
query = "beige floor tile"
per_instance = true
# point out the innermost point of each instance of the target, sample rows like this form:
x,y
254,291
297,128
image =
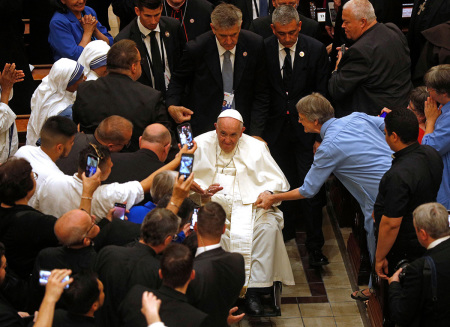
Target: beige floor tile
x,y
296,264
293,253
290,311
339,294
332,252
338,279
349,321
319,322
299,277
315,309
334,269
336,282
345,308
300,289
286,322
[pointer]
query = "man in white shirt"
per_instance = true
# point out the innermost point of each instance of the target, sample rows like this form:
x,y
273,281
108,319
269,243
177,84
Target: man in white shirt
x,y
61,193
57,136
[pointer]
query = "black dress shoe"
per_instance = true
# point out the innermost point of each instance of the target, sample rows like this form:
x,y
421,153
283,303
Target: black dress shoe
x,y
253,306
317,259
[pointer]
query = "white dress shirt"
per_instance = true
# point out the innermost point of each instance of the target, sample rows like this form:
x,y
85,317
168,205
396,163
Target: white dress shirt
x,y
222,50
282,55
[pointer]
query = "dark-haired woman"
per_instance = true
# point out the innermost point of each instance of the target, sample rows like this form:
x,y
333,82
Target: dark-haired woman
x,y
72,27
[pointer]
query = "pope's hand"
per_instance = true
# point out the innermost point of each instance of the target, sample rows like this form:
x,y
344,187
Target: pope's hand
x,y
265,200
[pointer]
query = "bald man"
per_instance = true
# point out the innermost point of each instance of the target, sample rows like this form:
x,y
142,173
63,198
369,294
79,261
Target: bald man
x,y
75,231
154,146
114,132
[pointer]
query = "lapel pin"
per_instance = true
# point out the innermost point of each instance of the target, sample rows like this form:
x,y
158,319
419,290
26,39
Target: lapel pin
x,y
245,54
301,54
167,34
192,20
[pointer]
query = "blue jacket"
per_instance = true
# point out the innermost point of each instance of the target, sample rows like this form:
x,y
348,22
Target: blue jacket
x,y
66,32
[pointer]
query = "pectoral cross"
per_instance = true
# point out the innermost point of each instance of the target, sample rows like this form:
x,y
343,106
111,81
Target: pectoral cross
x,y
421,7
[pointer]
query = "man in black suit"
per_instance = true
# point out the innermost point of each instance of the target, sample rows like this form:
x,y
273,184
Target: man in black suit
x,y
193,15
252,9
120,268
262,25
159,40
219,275
224,65
421,298
375,71
176,273
118,93
113,132
297,66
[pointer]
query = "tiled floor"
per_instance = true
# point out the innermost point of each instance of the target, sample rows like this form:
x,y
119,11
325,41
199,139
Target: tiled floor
x,y
321,297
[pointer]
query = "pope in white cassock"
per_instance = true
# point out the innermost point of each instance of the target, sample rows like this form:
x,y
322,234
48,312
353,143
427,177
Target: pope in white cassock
x,y
233,169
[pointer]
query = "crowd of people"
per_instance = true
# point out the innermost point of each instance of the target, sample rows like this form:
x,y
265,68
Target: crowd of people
x,y
273,112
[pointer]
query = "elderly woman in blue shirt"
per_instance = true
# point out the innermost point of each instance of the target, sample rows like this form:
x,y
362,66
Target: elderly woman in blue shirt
x,y
72,27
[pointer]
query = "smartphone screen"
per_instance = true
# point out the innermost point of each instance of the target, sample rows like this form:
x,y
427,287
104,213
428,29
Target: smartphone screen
x,y
186,165
119,211
91,165
45,274
185,135
194,218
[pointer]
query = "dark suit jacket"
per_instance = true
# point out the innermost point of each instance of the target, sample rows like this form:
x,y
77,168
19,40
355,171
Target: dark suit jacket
x,y
197,17
309,75
175,310
173,40
69,164
120,268
219,278
117,232
8,315
247,10
374,73
410,302
117,94
261,26
200,71
63,318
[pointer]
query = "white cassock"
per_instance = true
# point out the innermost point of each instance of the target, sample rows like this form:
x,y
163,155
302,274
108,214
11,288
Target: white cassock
x,y
253,232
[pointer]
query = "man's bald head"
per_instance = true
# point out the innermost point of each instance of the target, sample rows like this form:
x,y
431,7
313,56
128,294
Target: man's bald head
x,y
114,132
73,227
156,137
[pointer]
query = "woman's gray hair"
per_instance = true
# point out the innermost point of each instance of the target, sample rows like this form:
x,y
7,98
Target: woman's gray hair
x,y
162,184
315,107
433,218
438,78
225,16
285,14
361,9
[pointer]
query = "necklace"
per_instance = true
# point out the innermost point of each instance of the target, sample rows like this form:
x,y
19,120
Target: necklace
x,y
218,155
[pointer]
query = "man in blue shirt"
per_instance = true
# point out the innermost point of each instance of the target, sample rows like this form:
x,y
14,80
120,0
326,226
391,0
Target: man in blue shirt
x,y
353,149
437,132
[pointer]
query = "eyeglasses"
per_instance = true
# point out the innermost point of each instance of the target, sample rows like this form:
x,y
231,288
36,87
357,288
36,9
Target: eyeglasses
x,y
99,153
35,175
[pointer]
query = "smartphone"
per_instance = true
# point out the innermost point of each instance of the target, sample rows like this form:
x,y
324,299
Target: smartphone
x,y
185,135
119,211
343,49
194,218
45,274
383,115
186,165
91,165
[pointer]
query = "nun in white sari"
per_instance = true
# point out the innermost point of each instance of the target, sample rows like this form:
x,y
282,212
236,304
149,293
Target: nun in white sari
x,y
93,59
54,94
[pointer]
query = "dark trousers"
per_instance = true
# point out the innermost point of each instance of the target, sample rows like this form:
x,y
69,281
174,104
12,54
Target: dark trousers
x,y
293,152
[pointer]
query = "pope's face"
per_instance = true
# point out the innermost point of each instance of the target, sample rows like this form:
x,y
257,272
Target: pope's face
x,y
228,131
227,37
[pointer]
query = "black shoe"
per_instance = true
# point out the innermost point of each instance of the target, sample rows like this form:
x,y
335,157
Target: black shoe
x,y
253,306
317,259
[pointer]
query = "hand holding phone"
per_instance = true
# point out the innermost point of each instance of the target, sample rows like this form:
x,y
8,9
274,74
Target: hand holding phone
x,y
45,274
185,135
91,165
194,218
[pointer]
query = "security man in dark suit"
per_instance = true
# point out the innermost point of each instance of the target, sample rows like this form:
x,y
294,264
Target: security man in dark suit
x,y
297,66
158,39
219,275
176,273
421,298
262,25
120,268
221,69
